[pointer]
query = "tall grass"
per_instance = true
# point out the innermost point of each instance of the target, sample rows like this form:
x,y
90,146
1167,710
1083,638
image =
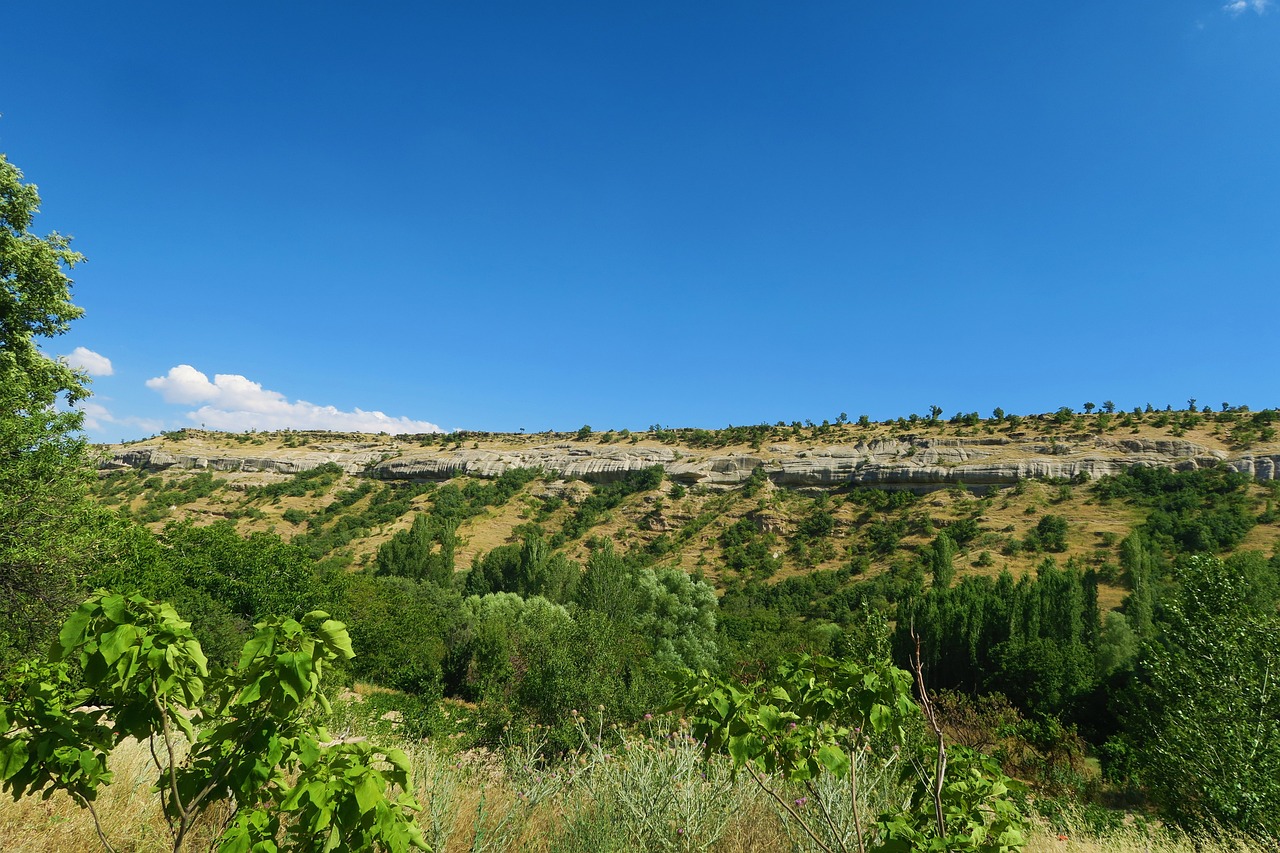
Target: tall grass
x,y
647,790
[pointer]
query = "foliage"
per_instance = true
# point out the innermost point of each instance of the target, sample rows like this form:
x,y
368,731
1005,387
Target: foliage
x,y
399,630
677,615
750,551
413,553
1202,510
1050,534
820,716
1205,710
43,467
1032,640
247,733
315,481
607,496
529,568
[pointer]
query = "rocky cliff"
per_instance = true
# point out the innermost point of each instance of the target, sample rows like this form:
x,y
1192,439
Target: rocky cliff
x,y
917,463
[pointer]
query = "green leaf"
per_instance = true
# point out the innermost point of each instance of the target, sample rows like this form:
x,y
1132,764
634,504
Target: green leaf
x,y
196,653
368,793
113,643
73,631
335,636
397,759
770,719
880,717
14,758
720,702
114,608
834,760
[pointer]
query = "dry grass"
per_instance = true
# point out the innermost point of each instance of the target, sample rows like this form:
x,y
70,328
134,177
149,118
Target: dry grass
x,y
472,802
128,810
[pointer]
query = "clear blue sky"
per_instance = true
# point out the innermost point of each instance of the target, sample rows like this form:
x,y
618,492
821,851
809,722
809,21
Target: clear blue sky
x,y
502,215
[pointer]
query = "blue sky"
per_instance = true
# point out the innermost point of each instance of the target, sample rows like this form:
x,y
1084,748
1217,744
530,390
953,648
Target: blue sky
x,y
499,216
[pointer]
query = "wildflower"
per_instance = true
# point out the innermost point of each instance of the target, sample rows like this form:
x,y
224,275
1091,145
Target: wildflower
x,y
802,801
648,717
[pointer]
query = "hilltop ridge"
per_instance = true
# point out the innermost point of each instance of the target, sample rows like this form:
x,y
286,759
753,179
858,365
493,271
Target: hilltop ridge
x,y
733,503
923,456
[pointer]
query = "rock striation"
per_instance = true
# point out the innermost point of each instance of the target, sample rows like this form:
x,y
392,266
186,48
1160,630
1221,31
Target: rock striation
x,y
919,464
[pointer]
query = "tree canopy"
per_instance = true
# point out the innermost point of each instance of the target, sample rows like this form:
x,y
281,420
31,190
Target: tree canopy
x,y
43,513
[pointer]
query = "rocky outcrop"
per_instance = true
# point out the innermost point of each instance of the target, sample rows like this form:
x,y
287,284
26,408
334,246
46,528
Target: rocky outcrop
x,y
156,459
916,463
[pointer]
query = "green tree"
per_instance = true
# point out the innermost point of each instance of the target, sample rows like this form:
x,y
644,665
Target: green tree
x,y
940,558
1206,711
45,547
250,737
677,615
413,554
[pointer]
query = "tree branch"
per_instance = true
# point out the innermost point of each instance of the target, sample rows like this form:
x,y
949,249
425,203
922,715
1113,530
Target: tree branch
x,y
789,810
940,767
97,824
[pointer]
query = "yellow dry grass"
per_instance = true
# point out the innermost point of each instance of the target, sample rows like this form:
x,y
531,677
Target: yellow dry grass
x,y
470,792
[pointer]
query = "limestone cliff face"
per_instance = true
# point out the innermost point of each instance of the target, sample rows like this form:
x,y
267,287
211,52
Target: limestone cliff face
x,y
916,463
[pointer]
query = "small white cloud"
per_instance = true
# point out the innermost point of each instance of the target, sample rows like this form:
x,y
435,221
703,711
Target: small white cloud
x,y
183,384
92,363
1237,7
236,403
97,416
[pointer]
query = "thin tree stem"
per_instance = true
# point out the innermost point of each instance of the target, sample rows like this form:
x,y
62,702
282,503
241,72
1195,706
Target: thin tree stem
x,y
940,766
853,796
789,810
97,824
826,815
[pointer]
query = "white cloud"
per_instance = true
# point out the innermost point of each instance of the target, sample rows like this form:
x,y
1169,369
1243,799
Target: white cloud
x,y
1237,7
184,384
235,403
97,416
92,363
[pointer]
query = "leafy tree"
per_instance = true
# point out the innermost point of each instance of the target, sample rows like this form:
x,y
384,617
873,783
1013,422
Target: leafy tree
x,y
677,615
1205,711
251,741
817,716
528,569
608,585
45,549
940,558
1050,534
413,553
399,631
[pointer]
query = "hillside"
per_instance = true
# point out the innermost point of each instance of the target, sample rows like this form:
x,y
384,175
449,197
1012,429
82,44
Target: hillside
x,y
761,502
